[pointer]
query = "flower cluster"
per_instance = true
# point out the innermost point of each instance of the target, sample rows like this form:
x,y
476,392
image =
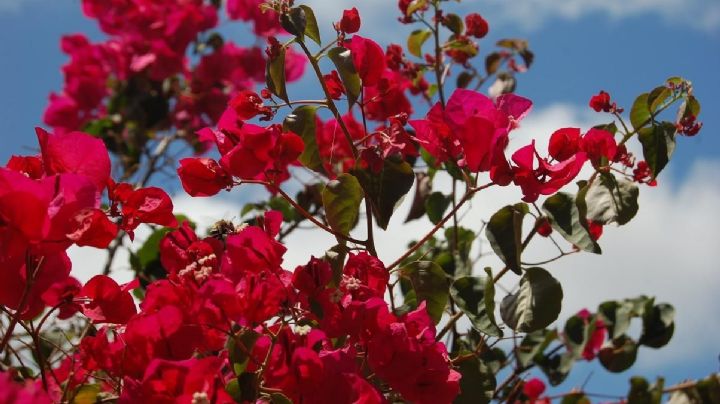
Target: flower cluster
x,y
52,201
141,78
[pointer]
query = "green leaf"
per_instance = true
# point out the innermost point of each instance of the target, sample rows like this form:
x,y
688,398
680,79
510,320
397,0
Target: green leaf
x,y
341,199
233,389
535,305
465,239
386,189
239,347
657,98
658,325
311,26
556,366
454,23
283,206
464,79
577,333
690,106
609,200
302,122
150,250
513,43
618,354
146,260
86,394
504,231
464,45
430,285
533,345
98,127
616,317
494,358
642,393
640,111
422,192
275,76
476,298
708,390
342,59
575,398
492,63
243,388
477,384
415,5
335,256
436,205
658,144
527,56
295,22
608,127
279,398
565,219
416,40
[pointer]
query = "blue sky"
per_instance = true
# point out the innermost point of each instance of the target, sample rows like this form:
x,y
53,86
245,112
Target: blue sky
x,y
582,46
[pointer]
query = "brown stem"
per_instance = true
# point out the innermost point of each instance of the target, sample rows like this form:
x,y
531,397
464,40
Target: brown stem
x,y
23,299
370,239
438,57
449,325
331,105
468,195
302,211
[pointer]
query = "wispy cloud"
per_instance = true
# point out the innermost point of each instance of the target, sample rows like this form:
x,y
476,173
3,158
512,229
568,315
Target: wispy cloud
x,y
697,14
379,15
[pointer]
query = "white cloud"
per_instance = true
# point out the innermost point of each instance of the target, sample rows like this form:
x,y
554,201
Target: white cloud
x,y
669,250
698,14
379,16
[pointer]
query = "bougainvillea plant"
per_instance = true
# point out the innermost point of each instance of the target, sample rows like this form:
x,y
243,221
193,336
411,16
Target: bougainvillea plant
x,y
214,316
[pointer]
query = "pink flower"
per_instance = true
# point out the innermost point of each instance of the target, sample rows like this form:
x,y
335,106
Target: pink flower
x,y
546,178
91,227
77,153
350,22
564,143
601,102
476,25
533,388
599,144
406,356
203,176
472,128
108,301
368,58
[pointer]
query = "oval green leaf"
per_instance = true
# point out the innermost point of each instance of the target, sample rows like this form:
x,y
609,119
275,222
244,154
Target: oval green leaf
x,y
341,199
342,59
658,144
565,219
311,26
387,188
416,40
504,232
302,122
429,284
618,354
275,76
609,200
535,305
